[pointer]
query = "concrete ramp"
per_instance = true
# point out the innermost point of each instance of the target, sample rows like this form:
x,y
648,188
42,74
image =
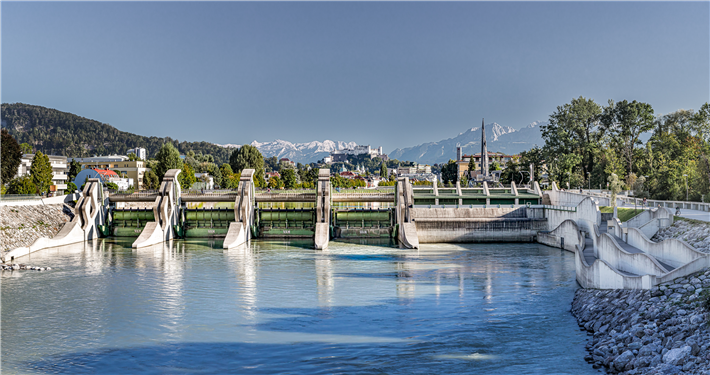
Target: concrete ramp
x,y
238,233
236,236
165,212
408,235
322,236
322,229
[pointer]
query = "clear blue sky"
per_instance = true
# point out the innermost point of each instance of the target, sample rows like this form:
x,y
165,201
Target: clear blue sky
x,y
394,74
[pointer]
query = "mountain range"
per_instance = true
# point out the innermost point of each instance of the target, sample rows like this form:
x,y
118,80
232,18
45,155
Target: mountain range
x,y
298,152
498,138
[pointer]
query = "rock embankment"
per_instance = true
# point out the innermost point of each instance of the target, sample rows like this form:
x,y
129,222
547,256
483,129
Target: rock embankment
x,y
661,331
22,225
695,234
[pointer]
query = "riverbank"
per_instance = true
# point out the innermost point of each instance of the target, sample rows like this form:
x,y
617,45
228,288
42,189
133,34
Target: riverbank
x,y
660,331
22,225
695,233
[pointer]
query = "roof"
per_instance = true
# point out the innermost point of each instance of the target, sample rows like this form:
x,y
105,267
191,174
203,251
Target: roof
x,y
106,172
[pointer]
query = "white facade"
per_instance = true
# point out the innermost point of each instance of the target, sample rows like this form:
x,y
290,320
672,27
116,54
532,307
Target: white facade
x,y
359,150
138,151
60,169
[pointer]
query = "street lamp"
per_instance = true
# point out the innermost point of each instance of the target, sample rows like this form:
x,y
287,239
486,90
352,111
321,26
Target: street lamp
x,y
686,187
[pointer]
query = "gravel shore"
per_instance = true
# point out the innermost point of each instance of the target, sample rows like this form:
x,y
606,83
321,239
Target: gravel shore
x,y
695,234
22,225
661,331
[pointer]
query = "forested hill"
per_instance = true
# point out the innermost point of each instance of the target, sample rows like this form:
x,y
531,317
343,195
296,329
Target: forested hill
x,y
61,133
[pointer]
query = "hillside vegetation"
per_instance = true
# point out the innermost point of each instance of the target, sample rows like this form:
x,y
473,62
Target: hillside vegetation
x,y
61,133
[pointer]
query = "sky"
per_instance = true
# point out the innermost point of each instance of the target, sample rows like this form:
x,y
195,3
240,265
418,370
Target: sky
x,y
391,74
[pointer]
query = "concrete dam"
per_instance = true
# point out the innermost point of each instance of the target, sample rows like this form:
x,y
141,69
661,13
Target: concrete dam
x,y
609,255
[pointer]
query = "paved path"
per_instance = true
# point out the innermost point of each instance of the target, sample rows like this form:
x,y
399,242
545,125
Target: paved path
x,y
695,215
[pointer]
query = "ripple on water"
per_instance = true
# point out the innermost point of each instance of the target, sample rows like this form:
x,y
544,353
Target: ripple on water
x,y
282,307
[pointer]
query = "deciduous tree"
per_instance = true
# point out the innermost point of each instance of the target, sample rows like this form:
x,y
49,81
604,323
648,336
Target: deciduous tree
x,y
625,122
10,157
167,158
248,156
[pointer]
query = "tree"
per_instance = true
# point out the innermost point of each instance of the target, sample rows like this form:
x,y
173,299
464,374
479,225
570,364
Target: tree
x,y
275,183
471,166
111,185
226,170
536,157
74,169
167,158
41,172
625,122
574,128
71,187
383,171
186,177
151,181
10,158
25,148
510,172
495,166
614,187
449,172
248,156
289,178
133,157
22,185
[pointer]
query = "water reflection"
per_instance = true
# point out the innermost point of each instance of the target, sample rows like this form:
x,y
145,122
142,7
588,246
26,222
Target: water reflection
x,y
272,307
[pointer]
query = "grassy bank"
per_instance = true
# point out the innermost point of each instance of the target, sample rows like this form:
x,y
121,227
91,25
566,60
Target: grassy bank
x,y
625,214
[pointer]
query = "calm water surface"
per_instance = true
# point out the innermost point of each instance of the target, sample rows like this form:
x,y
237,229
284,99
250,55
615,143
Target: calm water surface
x,y
281,307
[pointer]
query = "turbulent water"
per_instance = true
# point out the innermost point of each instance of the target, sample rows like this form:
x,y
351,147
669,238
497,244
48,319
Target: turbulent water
x,y
281,307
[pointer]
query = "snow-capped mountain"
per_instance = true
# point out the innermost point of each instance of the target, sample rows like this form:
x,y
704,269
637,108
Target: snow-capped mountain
x,y
298,152
498,139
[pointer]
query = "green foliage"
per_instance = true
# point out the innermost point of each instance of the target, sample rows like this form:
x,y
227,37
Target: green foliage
x,y
386,183
110,185
26,148
151,180
168,158
133,157
275,183
186,176
510,173
10,155
624,123
246,157
383,170
471,166
71,188
614,187
574,128
495,166
449,172
226,170
624,214
74,169
41,172
289,178
22,185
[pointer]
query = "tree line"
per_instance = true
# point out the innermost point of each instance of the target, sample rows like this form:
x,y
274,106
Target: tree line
x,y
587,145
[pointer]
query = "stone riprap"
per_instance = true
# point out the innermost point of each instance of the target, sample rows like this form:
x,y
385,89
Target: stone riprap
x,y
696,235
22,225
659,331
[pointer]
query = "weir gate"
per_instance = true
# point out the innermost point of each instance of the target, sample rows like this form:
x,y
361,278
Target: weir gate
x,y
324,213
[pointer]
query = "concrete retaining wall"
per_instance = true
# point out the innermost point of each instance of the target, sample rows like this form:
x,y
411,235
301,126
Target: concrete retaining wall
x,y
639,264
587,209
566,236
601,275
675,252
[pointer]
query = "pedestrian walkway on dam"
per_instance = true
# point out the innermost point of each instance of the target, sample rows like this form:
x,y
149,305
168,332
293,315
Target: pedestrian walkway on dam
x,y
695,215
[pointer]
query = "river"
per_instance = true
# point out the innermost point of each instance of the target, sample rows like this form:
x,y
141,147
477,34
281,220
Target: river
x,y
281,307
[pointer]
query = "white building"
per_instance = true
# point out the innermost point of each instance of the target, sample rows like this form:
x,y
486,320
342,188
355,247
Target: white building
x,y
139,152
60,170
339,155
